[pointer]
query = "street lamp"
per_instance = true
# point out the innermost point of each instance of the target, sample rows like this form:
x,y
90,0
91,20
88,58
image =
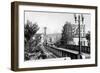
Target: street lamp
x,y
78,19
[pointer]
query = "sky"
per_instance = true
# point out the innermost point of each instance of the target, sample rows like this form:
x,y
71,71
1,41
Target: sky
x,y
54,21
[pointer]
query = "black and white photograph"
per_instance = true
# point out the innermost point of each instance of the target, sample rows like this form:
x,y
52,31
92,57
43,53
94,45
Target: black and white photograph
x,y
51,35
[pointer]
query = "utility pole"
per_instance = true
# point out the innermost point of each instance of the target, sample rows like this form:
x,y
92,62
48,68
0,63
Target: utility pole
x,y
79,36
79,18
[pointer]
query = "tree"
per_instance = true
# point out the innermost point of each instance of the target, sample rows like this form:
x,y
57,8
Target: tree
x,y
88,37
30,29
66,34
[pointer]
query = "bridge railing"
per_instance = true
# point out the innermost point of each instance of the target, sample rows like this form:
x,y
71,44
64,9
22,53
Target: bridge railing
x,y
62,52
85,49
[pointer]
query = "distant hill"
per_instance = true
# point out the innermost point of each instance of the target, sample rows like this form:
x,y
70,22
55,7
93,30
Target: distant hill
x,y
55,37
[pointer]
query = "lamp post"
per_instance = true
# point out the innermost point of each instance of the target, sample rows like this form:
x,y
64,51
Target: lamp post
x,y
78,19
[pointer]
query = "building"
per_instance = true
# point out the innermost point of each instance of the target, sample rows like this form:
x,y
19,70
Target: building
x,y
53,38
75,34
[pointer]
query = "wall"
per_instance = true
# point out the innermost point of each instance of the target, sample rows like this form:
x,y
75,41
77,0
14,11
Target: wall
x,y
5,40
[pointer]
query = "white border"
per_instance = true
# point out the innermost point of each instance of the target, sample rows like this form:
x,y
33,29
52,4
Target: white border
x,y
53,62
